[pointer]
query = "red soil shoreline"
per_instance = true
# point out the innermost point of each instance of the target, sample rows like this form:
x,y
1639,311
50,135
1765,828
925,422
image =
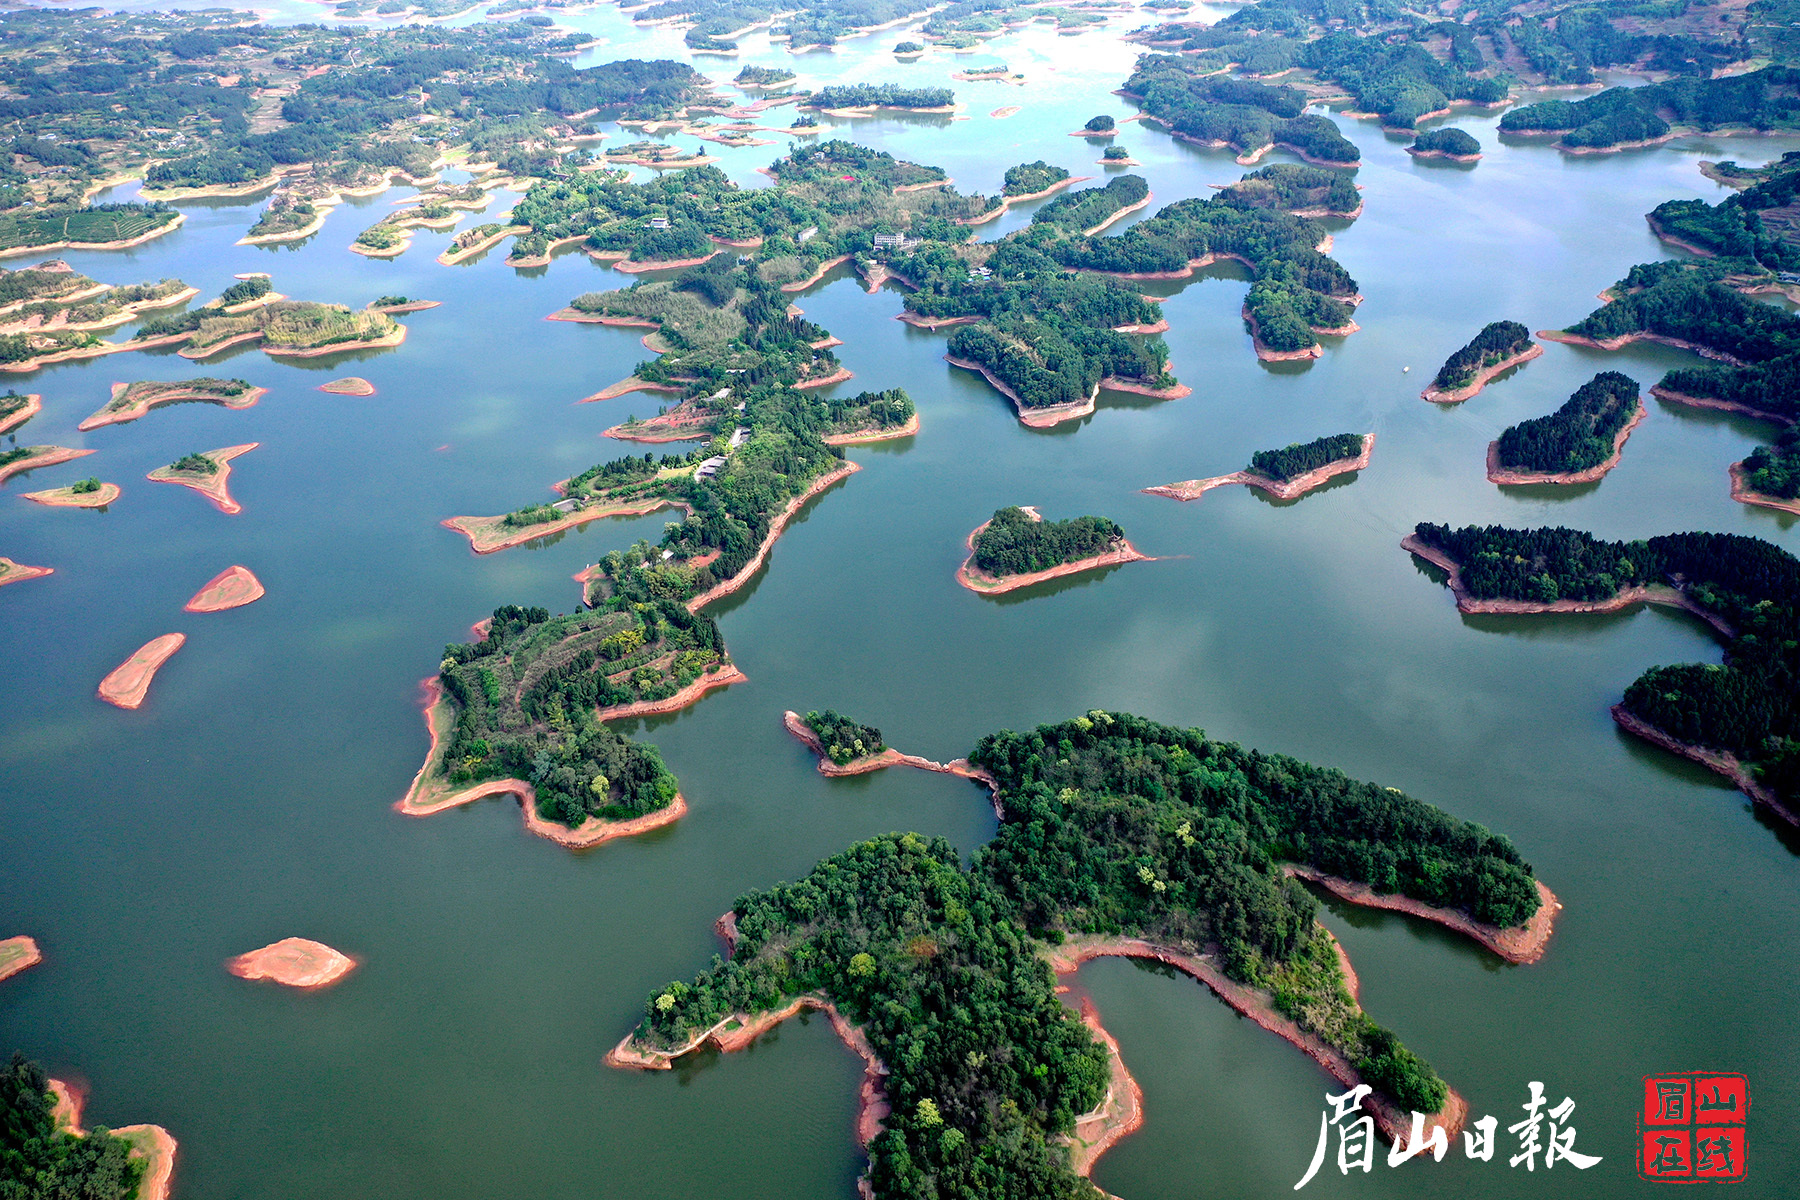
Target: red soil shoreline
x,y
1732,406
127,684
981,583
1740,491
727,587
1041,417
111,416
149,1142
1719,761
631,383
12,572
1519,945
819,272
866,436
1620,342
1507,476
34,404
68,498
352,385
233,587
1292,489
481,531
31,957
50,456
215,487
1006,202
294,962
1457,395
890,757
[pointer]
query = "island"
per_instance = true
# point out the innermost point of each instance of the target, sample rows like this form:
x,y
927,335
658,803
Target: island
x,y
1016,548
350,385
132,400
1189,886
207,472
1455,145
1770,477
1730,717
294,962
1623,118
16,409
48,1146
12,572
1286,474
1578,443
1500,346
233,587
127,684
16,954
85,493
19,459
845,747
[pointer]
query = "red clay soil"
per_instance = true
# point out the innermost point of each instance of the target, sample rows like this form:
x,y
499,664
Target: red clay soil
x,y
486,535
866,436
1508,476
149,1142
727,587
1041,417
131,412
933,324
1007,202
1267,355
1624,340
719,676
1120,1112
1113,383
17,953
1118,216
819,272
979,581
837,376
631,383
215,486
294,962
1292,489
12,572
233,587
350,385
890,757
34,404
1394,1124
1672,397
129,682
1457,395
1519,944
70,498
577,317
1625,598
673,264
1444,154
41,456
1724,763
1740,491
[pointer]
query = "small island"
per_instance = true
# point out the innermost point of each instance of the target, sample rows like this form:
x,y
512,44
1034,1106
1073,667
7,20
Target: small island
x,y
20,459
1102,126
1016,548
1449,143
1578,443
47,1146
294,962
233,587
17,953
132,400
350,385
1500,346
12,572
1286,474
207,472
844,747
1770,477
127,684
86,493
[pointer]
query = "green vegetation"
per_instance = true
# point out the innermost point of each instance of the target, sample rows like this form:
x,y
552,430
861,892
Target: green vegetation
x,y
1080,210
1115,154
46,281
1283,465
1497,342
380,237
1239,113
1761,100
1032,177
880,95
1759,228
1114,825
908,47
11,403
283,215
195,464
83,487
1744,707
1577,436
1296,188
92,224
1775,470
39,1160
844,740
1448,141
763,76
1015,543
254,288
141,390
1399,82
283,325
1099,124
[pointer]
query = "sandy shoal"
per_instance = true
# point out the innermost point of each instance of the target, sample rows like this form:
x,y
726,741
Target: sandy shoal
x,y
1439,395
137,408
631,383
233,587
68,497
151,1143
350,385
41,456
12,572
379,343
128,684
489,534
1292,489
17,953
1497,473
1444,154
34,404
452,256
214,487
294,962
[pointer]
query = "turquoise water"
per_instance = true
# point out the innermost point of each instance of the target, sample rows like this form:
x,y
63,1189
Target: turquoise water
x,y
250,798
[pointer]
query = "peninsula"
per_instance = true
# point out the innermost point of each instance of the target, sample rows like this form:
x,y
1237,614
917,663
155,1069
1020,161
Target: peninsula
x,y
17,953
132,400
16,409
86,493
1066,791
207,472
233,587
1770,477
1578,443
20,459
12,572
1016,548
1499,346
1455,145
294,962
127,684
49,1148
847,748
1286,474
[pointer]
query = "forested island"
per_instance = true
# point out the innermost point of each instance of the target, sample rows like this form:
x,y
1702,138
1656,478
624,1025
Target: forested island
x,y
1198,105
45,1152
1288,473
1119,836
1500,346
1578,443
1017,548
1770,476
1738,718
1454,144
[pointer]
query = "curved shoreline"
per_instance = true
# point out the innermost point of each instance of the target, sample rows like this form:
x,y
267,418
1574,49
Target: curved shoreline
x,y
233,587
294,962
1626,597
381,343
1006,202
120,244
631,383
719,675
41,456
1740,491
1267,354
1120,215
215,487
1470,389
12,572
1508,476
1731,406
1720,761
350,385
454,255
983,584
889,757
68,497
489,534
128,684
1443,154
1520,944
18,953
819,272
1640,335
1291,489
152,1143
34,404
864,437
140,407
1040,417
726,587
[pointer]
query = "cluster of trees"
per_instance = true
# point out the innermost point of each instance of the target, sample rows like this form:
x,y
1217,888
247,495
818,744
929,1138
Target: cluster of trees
x,y
254,288
1078,210
880,95
1049,360
1762,100
1402,82
1239,113
1576,436
1032,177
1294,186
39,1160
1497,342
1284,464
1733,228
1746,706
755,76
844,740
1775,470
39,283
1016,543
195,464
1449,140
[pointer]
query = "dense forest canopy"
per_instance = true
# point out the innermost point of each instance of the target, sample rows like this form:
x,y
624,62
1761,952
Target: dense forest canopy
x,y
1301,457
844,740
1455,142
1775,470
1014,543
1497,342
39,1161
1577,436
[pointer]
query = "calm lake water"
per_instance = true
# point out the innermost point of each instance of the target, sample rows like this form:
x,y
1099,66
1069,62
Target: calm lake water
x,y
249,799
